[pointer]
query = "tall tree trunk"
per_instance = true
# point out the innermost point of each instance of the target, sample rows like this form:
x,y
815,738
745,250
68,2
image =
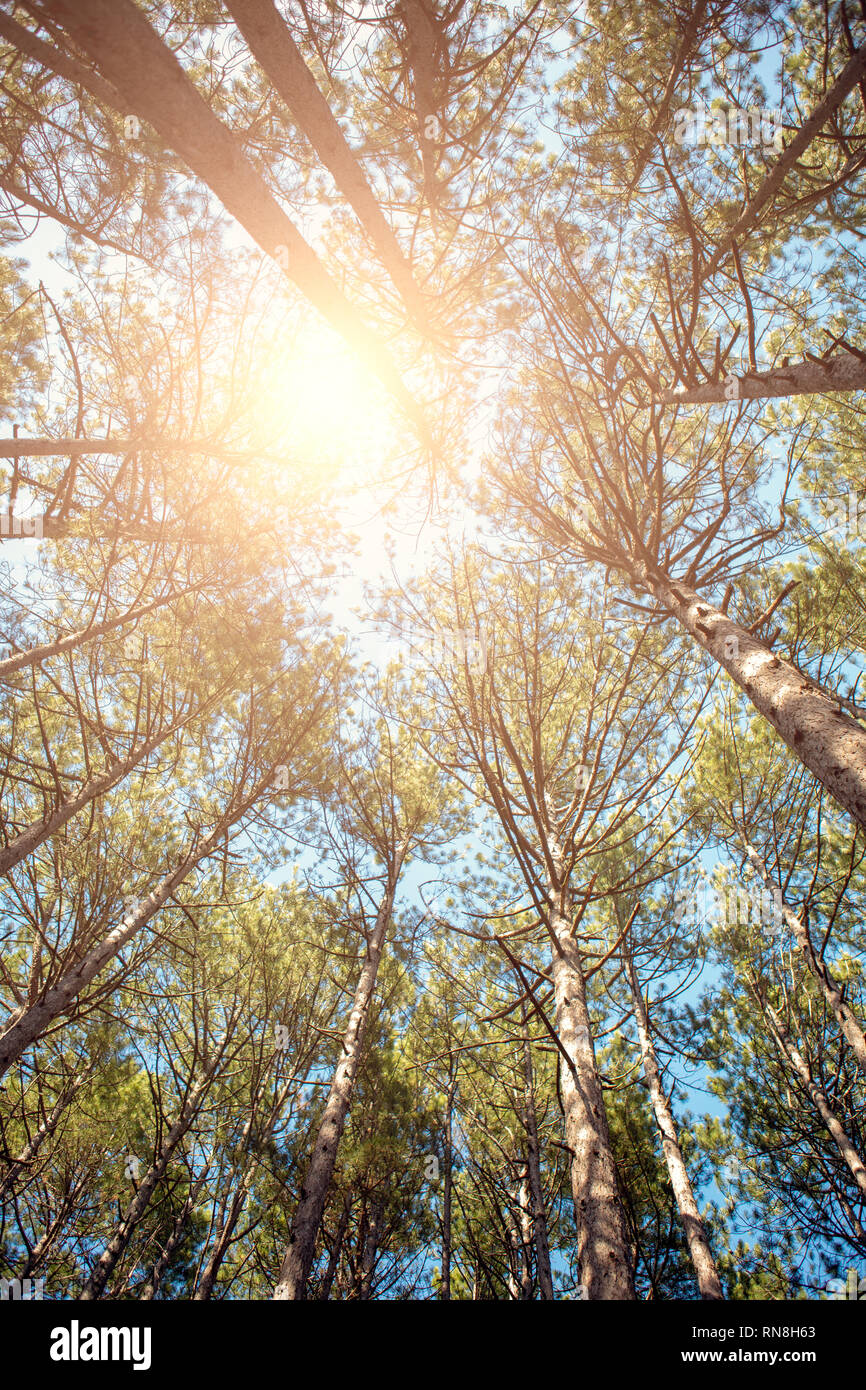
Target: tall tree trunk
x,y
28,840
533,1159
25,1025
833,98
117,36
232,1213
816,1093
603,1255
175,1240
336,1250
830,743
204,1287
107,1261
271,44
34,655
820,971
371,1247
447,1178
298,1261
709,1282
47,1127
526,1235
516,1254
842,372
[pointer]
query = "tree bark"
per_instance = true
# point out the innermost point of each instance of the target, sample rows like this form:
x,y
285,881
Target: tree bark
x,y
829,742
603,1256
709,1283
533,1159
816,1093
298,1260
116,36
107,1261
842,372
820,971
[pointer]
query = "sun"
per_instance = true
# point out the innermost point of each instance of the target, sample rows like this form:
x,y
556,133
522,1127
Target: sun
x,y
321,422
319,400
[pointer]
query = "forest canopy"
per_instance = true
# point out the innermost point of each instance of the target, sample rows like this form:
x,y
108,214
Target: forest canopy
x,y
432,650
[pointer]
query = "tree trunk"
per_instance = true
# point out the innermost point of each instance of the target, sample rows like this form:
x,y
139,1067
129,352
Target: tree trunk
x,y
336,1251
526,1235
445,1290
816,1093
26,1025
28,841
794,150
47,1127
117,37
851,1030
709,1282
830,743
603,1256
178,1231
204,1287
842,372
271,44
138,1206
533,1159
302,1241
34,655
18,447
371,1247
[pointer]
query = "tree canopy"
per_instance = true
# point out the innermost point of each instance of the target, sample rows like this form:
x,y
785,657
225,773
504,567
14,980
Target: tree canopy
x,y
432,641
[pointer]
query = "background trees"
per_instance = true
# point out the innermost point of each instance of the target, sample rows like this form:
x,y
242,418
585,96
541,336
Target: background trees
x,y
433,784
